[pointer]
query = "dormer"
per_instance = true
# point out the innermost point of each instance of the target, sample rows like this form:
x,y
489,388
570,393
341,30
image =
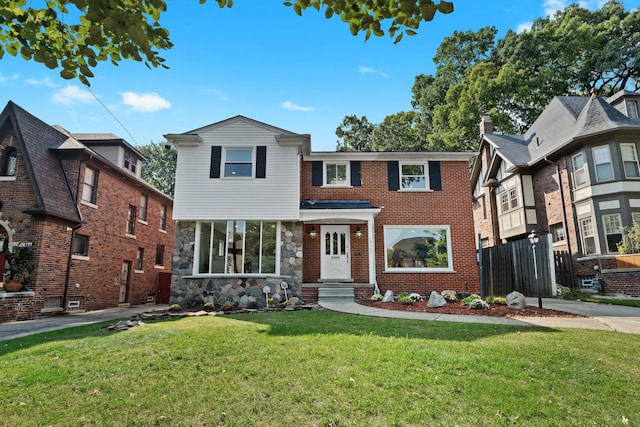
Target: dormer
x,y
627,102
114,149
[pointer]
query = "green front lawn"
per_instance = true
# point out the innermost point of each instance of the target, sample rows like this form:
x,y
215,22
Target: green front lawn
x,y
320,368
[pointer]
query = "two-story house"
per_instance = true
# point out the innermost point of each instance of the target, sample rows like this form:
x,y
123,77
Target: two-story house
x,y
574,174
256,208
98,234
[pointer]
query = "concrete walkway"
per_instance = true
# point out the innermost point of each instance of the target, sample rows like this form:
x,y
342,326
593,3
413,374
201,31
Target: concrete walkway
x,y
601,316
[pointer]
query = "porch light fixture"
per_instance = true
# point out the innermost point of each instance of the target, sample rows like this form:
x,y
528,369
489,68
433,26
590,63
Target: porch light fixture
x,y
312,233
358,232
534,239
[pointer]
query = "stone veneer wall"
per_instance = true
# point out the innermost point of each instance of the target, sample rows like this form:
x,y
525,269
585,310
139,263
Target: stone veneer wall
x,y
190,291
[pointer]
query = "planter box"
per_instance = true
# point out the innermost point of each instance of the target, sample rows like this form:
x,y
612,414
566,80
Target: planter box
x,y
628,261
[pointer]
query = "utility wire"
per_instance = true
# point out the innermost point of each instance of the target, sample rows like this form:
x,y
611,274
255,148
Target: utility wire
x,y
114,116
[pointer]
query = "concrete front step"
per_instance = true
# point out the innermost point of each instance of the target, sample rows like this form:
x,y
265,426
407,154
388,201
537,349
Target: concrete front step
x,y
336,293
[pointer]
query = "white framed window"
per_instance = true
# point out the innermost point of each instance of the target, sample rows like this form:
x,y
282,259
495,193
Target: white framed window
x,y
130,161
10,159
238,162
418,248
89,185
509,200
602,161
237,247
588,236
142,211
613,231
630,160
336,174
557,232
579,169
414,176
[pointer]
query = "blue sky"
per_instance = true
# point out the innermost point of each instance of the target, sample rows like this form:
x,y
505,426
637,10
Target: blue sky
x,y
260,60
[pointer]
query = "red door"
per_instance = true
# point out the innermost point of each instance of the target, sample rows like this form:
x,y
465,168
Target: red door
x,y
164,288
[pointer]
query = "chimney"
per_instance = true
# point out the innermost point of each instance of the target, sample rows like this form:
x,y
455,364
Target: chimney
x,y
594,92
486,125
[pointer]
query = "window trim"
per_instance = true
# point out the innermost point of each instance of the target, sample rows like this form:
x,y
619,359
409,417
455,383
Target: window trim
x,y
93,185
347,181
158,246
226,150
78,255
582,169
607,233
163,218
556,239
139,267
637,160
132,218
9,154
427,181
143,209
593,235
596,164
421,228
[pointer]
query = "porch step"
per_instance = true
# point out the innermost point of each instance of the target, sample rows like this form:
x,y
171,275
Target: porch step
x,y
336,293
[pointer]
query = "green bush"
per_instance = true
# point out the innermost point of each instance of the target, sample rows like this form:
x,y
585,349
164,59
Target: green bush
x,y
563,292
208,306
376,297
467,300
175,307
478,304
450,296
405,299
630,243
496,300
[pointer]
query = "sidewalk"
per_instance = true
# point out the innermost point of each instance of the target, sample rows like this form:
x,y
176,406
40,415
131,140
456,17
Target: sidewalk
x,y
600,316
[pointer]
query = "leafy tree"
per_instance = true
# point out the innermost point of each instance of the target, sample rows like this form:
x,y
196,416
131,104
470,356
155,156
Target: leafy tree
x,y
159,168
75,35
355,133
398,132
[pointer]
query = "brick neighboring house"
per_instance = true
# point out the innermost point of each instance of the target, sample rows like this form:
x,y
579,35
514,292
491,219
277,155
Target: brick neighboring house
x,y
99,235
574,174
255,208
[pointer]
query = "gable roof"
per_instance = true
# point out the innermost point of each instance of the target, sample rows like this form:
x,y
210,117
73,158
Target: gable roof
x,y
36,141
240,118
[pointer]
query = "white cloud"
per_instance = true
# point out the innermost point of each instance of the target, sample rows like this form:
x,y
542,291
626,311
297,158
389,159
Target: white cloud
x,y
72,95
369,70
145,102
44,82
293,107
551,6
6,80
525,26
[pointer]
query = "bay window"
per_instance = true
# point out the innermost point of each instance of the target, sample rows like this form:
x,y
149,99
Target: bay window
x,y
417,248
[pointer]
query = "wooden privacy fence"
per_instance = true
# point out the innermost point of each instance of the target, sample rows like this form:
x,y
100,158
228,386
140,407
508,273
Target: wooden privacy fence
x,y
509,267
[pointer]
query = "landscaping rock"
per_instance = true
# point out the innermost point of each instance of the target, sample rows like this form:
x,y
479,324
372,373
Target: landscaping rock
x,y
516,300
388,296
436,300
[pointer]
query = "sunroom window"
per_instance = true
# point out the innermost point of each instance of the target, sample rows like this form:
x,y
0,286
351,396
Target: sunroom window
x,y
415,248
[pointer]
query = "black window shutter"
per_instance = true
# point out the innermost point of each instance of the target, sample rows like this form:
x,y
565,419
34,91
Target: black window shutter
x,y
393,175
216,154
316,173
356,181
435,179
261,161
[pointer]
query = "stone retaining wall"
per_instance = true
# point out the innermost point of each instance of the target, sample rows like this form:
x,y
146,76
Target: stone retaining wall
x,y
242,292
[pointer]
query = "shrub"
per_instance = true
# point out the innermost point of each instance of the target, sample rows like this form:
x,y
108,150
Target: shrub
x,y
289,303
478,304
467,300
174,307
226,306
630,243
208,306
416,297
496,300
450,296
563,292
376,297
405,299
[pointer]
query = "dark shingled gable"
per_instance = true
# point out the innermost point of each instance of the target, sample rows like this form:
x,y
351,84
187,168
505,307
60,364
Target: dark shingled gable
x,y
36,139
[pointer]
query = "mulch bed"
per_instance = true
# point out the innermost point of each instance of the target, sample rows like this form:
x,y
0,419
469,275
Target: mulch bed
x,y
495,310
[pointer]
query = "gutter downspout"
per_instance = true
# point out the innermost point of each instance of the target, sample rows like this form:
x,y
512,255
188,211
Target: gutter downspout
x,y
564,208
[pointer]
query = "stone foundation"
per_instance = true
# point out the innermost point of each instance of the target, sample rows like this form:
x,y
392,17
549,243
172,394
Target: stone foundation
x,y
191,291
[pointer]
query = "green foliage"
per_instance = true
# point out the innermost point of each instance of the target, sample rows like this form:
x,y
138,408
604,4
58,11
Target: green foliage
x,y
478,304
449,296
630,243
563,292
496,300
174,307
20,267
159,168
376,297
405,299
355,133
467,300
75,35
209,306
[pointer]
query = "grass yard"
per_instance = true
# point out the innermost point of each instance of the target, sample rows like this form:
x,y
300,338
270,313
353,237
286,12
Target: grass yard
x,y
318,368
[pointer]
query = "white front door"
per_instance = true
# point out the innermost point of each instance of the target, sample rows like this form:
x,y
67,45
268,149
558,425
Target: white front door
x,y
335,247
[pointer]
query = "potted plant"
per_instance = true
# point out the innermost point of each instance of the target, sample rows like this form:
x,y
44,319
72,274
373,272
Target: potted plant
x,y
20,270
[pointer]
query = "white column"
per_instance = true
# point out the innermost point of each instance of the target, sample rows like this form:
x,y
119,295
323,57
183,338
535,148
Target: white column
x,y
372,251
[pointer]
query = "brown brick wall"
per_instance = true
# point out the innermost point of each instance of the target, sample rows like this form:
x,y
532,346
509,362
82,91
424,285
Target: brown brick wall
x,y
451,206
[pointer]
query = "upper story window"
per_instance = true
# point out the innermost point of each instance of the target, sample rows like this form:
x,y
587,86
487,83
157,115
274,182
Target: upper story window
x,y
9,161
80,245
159,255
131,220
630,160
632,108
140,259
142,212
557,232
130,162
163,217
613,231
509,200
238,162
414,176
579,169
89,185
602,160
336,173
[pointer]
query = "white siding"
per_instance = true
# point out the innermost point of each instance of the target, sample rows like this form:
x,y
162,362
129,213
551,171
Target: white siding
x,y
111,153
198,197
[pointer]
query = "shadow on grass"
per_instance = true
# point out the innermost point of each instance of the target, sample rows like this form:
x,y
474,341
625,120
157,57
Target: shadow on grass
x,y
328,322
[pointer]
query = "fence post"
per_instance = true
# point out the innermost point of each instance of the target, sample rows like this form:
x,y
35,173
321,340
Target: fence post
x,y
552,265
